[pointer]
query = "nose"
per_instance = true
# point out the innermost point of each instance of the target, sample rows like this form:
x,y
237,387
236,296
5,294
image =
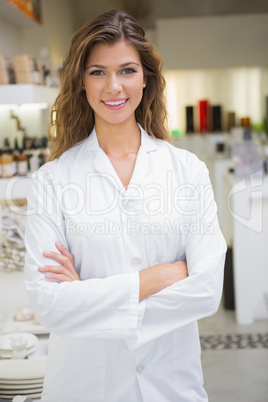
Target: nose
x,y
113,84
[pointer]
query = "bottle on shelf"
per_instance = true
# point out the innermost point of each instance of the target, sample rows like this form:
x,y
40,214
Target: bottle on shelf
x,y
231,121
6,144
34,161
36,73
22,166
1,152
204,116
4,70
189,114
15,157
7,164
216,118
246,126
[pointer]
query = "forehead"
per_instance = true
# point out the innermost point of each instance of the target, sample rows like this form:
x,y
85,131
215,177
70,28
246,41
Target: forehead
x,y
118,53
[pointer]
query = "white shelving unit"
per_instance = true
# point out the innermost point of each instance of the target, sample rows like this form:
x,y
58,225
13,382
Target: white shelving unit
x,y
27,93
22,94
248,203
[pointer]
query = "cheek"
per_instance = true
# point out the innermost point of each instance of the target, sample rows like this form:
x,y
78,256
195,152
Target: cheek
x,y
91,94
136,89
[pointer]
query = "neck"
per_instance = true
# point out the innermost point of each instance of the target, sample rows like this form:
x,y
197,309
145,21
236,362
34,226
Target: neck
x,y
118,139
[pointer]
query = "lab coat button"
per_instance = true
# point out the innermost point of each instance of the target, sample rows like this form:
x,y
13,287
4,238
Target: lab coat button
x,y
136,261
158,259
139,368
129,205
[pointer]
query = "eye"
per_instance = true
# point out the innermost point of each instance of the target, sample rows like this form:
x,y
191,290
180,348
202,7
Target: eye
x,y
128,71
97,72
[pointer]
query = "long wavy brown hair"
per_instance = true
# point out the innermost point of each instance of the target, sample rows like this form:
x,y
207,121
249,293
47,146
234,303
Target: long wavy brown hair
x,y
72,118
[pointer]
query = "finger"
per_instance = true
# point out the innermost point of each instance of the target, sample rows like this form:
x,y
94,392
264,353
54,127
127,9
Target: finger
x,y
60,270
55,269
62,259
58,277
64,250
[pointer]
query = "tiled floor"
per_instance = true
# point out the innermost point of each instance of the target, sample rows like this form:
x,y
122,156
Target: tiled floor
x,y
238,375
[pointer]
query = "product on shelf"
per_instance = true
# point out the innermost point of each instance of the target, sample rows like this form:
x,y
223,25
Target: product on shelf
x,y
4,70
231,120
204,117
216,118
189,110
7,164
22,164
21,161
246,125
27,70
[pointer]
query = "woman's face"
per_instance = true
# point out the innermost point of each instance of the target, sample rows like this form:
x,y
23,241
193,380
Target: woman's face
x,y
113,82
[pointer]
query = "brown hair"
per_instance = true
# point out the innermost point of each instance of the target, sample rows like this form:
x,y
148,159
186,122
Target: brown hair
x,y
72,118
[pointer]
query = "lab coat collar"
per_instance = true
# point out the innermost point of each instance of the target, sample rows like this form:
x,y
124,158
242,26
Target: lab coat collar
x,y
147,142
102,164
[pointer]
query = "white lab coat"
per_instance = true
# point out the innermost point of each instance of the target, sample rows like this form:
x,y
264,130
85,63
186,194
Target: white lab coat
x,y
104,344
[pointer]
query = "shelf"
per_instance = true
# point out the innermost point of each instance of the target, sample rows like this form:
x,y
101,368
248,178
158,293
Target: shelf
x,y
27,93
15,188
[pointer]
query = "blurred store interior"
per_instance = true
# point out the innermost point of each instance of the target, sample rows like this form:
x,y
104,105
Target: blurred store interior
x,y
215,57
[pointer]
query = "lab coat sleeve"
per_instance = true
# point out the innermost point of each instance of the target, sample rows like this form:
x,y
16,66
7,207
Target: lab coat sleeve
x,y
199,294
96,308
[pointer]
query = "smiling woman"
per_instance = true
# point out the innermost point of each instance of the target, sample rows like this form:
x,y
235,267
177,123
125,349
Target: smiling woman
x,y
75,116
130,265
113,82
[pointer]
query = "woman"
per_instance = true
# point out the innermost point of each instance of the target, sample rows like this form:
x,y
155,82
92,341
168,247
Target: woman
x,y
120,212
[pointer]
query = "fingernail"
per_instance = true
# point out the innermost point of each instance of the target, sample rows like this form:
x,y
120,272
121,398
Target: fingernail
x,y
47,252
58,244
41,268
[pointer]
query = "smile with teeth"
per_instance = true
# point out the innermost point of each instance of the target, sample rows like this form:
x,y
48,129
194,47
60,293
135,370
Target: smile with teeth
x,y
116,103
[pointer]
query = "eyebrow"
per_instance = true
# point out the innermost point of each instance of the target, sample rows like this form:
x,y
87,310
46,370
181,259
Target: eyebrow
x,y
103,67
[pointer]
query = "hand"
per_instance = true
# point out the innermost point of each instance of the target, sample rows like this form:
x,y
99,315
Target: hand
x,y
176,271
158,277
64,272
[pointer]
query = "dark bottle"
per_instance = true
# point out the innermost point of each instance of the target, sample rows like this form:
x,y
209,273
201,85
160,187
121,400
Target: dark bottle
x,y
189,110
1,152
231,120
6,144
216,119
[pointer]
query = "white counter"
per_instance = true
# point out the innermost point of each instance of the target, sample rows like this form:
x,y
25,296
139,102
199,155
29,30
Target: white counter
x,y
12,294
248,205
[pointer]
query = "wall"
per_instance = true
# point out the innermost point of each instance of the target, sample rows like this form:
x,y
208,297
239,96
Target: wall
x,y
84,9
191,42
209,42
55,32
9,38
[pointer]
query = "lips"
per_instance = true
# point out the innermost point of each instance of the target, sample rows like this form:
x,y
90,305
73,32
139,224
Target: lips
x,y
115,104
